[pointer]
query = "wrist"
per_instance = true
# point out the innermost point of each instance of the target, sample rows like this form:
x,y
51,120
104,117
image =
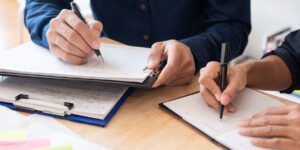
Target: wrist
x,y
249,72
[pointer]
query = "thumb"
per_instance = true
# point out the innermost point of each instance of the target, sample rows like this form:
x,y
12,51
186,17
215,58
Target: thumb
x,y
96,28
230,93
156,55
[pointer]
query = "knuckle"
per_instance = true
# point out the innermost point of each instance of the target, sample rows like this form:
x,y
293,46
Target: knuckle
x,y
53,22
157,44
64,12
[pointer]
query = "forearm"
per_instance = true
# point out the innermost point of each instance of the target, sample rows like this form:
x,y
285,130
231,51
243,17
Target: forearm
x,y
38,13
206,46
270,73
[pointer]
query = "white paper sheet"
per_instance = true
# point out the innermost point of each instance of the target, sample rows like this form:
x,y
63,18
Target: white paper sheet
x,y
122,63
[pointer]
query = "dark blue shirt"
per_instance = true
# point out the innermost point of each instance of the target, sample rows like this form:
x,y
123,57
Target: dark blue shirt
x,y
289,52
201,24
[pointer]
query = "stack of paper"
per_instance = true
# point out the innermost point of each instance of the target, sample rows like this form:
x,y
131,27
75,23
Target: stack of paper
x,y
122,63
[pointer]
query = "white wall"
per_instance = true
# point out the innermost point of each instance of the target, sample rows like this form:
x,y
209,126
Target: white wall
x,y
269,16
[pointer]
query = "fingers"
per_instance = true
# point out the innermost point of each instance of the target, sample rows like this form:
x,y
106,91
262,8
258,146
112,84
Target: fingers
x,y
267,131
68,47
156,55
276,143
265,120
209,98
180,63
230,92
207,78
67,57
96,27
80,27
280,110
167,74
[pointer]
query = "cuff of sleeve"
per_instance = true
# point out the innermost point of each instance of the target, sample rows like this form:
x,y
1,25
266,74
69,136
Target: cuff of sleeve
x,y
292,64
201,57
44,37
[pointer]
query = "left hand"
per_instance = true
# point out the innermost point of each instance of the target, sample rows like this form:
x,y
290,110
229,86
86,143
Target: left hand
x,y
180,66
276,128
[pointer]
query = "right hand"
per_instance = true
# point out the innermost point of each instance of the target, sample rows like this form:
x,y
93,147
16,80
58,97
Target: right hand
x,y
211,92
71,40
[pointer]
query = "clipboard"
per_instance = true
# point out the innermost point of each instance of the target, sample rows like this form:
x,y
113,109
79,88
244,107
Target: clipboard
x,y
120,68
147,84
72,117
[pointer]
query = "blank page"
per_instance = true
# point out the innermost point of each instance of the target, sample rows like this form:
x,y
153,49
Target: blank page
x,y
195,111
122,63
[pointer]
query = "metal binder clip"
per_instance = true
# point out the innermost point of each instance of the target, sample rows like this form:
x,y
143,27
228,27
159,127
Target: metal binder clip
x,y
69,105
21,96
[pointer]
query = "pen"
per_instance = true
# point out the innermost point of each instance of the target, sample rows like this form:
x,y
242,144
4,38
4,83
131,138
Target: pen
x,y
223,81
76,10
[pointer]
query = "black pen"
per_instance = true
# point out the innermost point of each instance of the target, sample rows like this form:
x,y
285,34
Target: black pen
x,y
76,10
223,80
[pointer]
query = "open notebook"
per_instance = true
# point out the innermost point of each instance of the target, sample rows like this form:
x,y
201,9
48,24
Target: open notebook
x,y
123,64
195,111
89,100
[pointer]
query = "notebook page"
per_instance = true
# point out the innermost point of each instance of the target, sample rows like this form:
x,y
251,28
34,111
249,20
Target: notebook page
x,y
240,142
194,110
122,63
90,99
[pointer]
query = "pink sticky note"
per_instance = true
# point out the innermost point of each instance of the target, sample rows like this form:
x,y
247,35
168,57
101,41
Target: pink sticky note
x,y
24,144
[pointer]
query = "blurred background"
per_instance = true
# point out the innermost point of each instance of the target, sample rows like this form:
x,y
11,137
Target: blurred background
x,y
268,18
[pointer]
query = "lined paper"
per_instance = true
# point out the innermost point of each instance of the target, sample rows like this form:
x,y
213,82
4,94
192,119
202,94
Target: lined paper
x,y
90,99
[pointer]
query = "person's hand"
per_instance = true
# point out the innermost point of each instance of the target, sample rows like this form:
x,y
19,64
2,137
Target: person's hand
x,y
211,92
275,128
180,67
71,40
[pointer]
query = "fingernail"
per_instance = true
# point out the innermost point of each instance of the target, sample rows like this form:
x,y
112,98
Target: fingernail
x,y
96,45
155,85
218,97
232,109
225,99
150,64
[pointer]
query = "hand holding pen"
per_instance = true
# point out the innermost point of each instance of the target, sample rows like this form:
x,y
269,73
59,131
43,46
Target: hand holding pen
x,y
217,90
71,40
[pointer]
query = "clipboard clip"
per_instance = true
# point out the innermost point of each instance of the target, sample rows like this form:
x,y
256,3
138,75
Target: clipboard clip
x,y
156,72
23,101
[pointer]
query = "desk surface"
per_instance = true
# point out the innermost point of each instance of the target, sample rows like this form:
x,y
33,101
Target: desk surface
x,y
141,124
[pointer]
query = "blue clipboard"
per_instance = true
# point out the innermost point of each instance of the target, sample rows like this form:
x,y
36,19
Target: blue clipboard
x,y
77,118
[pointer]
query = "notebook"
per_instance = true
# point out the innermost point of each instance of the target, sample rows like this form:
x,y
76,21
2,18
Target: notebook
x,y
123,65
195,112
87,102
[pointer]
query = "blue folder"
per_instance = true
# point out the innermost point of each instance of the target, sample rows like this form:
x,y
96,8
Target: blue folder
x,y
76,118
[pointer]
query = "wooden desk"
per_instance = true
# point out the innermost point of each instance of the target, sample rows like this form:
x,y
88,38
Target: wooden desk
x,y
141,124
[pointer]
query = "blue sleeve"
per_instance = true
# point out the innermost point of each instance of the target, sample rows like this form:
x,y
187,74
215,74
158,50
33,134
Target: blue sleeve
x,y
289,52
38,14
225,21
